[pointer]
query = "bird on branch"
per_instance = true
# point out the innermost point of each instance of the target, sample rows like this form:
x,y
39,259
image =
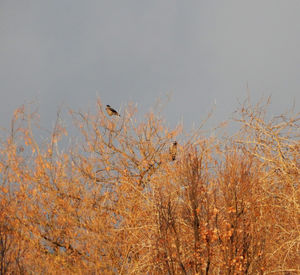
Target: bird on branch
x,y
173,150
111,111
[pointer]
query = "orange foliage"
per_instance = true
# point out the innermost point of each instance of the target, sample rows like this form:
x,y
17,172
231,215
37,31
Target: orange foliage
x,y
112,202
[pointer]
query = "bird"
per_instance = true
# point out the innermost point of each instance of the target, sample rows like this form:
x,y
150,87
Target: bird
x,y
111,111
173,150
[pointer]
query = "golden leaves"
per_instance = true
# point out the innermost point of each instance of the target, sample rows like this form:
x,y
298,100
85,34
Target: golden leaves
x,y
113,203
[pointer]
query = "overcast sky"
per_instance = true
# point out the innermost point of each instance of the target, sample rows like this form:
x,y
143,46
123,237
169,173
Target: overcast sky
x,y
201,52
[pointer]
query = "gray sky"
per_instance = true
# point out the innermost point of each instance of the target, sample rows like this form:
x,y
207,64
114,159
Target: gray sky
x,y
71,51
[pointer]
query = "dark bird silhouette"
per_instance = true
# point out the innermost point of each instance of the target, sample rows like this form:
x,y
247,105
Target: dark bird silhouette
x,y
111,111
173,150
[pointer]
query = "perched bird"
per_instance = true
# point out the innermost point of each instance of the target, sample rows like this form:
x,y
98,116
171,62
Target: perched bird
x,y
111,111
173,150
